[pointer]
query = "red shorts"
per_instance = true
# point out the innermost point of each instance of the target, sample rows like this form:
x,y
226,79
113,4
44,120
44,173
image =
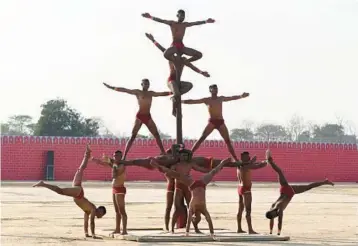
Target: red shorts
x,y
241,190
178,45
119,190
197,184
171,78
217,123
81,194
144,118
171,186
287,190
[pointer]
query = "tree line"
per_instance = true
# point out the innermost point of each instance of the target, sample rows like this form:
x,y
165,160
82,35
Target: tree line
x,y
59,119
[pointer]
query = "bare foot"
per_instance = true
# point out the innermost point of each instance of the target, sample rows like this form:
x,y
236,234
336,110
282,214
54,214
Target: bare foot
x,y
124,233
241,231
329,182
198,231
39,184
116,232
252,232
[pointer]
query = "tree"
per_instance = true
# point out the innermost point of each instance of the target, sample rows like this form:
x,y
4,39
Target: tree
x,y
58,119
142,136
268,132
164,135
305,136
295,127
5,129
240,134
19,124
328,131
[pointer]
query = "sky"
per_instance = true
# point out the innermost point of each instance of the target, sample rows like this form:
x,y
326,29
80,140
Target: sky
x,y
293,57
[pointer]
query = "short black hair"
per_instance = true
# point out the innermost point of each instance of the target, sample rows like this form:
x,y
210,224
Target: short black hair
x,y
212,86
180,11
245,153
145,80
268,215
118,152
103,208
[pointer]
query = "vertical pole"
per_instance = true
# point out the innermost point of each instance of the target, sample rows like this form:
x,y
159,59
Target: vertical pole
x,y
182,219
179,113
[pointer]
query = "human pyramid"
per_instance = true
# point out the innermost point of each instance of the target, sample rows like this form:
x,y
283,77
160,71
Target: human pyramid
x,y
177,162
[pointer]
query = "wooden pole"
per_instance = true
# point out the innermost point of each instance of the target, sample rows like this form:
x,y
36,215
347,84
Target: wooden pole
x,y
179,113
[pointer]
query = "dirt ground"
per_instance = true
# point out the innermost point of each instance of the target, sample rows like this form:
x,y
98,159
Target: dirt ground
x,y
34,216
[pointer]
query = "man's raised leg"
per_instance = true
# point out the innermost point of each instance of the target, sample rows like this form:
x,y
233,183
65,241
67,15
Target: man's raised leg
x,y
135,130
207,131
77,180
195,55
224,132
152,127
303,188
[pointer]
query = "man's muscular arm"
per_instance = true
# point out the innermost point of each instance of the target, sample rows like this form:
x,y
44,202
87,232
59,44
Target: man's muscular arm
x,y
255,165
160,94
220,166
167,22
121,89
280,218
192,101
151,38
92,217
195,69
232,98
198,168
196,23
101,162
86,218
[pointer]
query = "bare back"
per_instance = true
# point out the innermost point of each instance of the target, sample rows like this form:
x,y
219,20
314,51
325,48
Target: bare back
x,y
215,107
84,204
144,101
178,31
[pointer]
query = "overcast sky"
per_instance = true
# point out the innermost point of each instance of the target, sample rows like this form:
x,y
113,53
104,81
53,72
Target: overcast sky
x,y
294,57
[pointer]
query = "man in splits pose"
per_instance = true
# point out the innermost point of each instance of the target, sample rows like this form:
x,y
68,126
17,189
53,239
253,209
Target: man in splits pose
x,y
197,205
287,191
176,66
216,120
77,192
144,98
178,31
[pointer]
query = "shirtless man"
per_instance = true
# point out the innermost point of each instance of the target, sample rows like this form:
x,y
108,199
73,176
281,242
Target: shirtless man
x,y
197,205
181,189
177,62
216,121
118,189
166,161
176,66
287,191
244,189
143,116
178,31
77,192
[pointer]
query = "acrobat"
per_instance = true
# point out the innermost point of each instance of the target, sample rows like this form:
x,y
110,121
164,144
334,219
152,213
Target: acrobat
x,y
143,116
287,192
176,66
77,192
216,121
178,31
197,205
244,189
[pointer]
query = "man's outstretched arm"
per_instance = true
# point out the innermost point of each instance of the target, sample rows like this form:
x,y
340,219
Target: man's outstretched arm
x,y
195,69
167,22
192,101
121,89
196,23
232,98
160,94
151,38
256,165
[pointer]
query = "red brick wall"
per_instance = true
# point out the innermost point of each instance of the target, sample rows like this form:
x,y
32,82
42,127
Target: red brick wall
x,y
23,158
